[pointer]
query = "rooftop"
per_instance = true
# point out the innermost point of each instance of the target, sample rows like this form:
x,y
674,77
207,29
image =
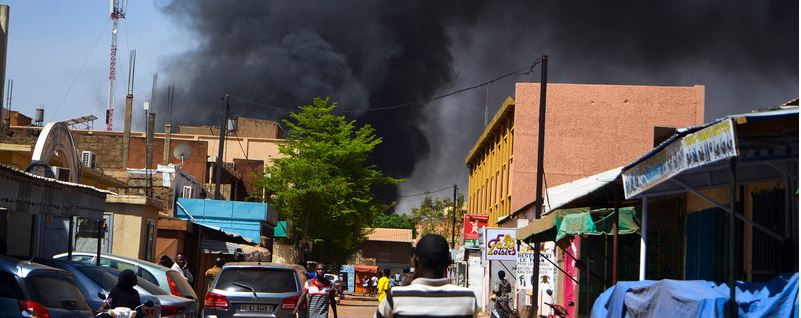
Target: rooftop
x,y
390,235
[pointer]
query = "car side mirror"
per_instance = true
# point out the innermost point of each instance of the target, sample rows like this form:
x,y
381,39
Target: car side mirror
x,y
101,295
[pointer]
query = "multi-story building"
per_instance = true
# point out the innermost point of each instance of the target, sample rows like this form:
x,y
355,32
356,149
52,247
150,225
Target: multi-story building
x,y
490,163
589,129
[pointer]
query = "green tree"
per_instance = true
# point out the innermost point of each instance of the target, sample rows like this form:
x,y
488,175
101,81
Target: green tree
x,y
323,183
433,216
394,221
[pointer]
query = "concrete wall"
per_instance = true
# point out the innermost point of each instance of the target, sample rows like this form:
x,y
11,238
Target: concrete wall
x,y
195,164
592,128
395,255
284,252
250,127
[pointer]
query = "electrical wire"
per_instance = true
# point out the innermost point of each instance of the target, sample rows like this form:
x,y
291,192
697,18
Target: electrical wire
x,y
425,193
85,60
522,70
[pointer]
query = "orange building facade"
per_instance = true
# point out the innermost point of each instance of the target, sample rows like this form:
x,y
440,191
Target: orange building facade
x,y
589,129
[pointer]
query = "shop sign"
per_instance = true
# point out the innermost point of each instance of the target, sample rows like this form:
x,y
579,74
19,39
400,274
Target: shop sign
x,y
547,271
525,266
501,244
711,144
472,224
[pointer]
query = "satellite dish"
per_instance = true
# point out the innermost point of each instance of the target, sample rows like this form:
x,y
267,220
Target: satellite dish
x,y
182,152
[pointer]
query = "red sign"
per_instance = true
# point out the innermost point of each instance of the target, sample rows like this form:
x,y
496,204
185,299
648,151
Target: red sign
x,y
471,225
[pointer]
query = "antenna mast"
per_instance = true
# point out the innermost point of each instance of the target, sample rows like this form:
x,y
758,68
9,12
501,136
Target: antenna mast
x,y
117,11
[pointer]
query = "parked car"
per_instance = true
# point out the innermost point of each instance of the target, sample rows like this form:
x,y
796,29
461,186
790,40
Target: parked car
x,y
169,280
96,282
34,290
255,289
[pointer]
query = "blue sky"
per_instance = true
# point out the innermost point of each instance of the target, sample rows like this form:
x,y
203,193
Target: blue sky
x,y
54,43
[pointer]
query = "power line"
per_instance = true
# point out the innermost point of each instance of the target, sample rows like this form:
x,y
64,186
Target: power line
x,y
522,70
85,60
425,193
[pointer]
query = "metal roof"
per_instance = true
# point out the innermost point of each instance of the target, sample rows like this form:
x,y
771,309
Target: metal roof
x,y
390,235
767,149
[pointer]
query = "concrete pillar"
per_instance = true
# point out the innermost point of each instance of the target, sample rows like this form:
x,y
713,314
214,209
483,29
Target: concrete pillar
x,y
5,10
167,131
126,133
643,237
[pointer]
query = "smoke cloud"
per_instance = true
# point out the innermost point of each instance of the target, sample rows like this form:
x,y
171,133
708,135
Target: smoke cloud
x,y
360,53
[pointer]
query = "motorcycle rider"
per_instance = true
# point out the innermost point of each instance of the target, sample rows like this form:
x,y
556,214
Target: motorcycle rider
x,y
503,291
124,294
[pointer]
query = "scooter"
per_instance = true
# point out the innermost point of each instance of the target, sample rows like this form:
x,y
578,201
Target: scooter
x,y
147,311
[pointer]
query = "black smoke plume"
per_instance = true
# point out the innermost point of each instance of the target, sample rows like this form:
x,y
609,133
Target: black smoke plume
x,y
379,53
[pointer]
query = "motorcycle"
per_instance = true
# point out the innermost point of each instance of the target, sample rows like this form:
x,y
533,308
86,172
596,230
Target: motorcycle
x,y
558,311
146,309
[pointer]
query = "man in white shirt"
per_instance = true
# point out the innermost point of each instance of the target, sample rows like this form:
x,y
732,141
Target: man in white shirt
x,y
429,294
181,267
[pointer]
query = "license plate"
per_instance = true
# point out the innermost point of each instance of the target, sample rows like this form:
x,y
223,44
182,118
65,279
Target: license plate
x,y
255,307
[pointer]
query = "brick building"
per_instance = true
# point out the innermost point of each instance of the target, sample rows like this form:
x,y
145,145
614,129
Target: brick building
x,y
589,129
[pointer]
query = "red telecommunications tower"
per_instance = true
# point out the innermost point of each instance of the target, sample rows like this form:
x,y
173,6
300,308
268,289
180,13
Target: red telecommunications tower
x,y
118,8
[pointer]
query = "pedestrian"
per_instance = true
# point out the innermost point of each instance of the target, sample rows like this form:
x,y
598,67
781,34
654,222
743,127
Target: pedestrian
x,y
318,294
211,274
392,281
374,285
166,261
183,268
366,285
429,294
408,277
397,278
123,294
383,285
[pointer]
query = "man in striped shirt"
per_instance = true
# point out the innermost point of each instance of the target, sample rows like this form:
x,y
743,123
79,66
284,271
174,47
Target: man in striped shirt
x,y
429,294
318,294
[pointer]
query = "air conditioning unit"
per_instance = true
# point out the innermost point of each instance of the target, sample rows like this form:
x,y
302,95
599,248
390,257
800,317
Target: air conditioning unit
x,y
88,159
187,192
60,173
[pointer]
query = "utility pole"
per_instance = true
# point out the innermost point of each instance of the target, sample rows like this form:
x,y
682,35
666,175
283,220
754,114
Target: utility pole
x,y
538,204
453,219
221,146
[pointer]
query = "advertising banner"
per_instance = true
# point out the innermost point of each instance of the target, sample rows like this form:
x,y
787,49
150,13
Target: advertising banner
x,y
472,223
711,144
501,244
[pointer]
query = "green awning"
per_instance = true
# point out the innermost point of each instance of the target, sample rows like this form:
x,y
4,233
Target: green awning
x,y
280,230
596,222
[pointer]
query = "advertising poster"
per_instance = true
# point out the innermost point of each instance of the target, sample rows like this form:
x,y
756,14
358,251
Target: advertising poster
x,y
472,224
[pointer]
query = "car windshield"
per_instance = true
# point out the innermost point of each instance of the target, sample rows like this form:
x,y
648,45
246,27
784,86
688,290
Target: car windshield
x,y
107,279
261,279
54,291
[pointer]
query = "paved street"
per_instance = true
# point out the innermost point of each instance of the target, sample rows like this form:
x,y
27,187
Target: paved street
x,y
357,307
360,307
